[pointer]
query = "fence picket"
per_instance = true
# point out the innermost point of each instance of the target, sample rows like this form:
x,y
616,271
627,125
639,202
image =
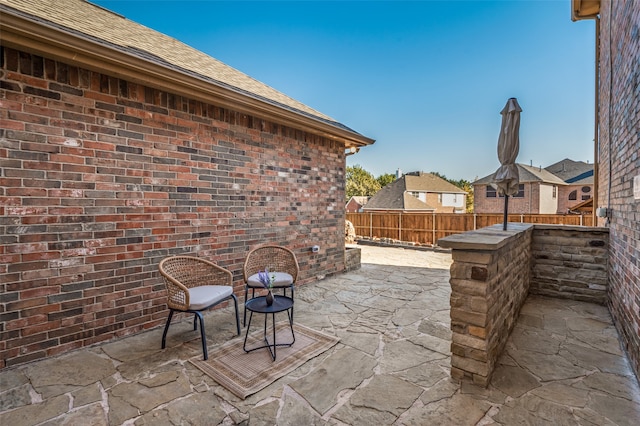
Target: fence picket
x,y
427,228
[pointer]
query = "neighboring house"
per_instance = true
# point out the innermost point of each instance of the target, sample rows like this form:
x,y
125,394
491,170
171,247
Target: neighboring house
x,y
556,189
121,146
538,193
355,203
418,192
578,177
617,145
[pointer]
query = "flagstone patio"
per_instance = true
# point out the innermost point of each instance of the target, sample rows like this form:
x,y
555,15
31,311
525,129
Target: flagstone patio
x,y
562,365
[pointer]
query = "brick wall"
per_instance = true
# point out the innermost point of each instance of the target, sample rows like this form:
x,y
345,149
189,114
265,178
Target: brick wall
x,y
490,278
570,262
529,204
353,206
564,204
102,178
618,150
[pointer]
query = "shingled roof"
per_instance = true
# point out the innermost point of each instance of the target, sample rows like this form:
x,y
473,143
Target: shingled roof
x,y
86,34
420,181
573,172
396,195
527,174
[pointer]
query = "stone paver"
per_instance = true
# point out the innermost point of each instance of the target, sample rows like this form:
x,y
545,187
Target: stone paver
x,y
562,365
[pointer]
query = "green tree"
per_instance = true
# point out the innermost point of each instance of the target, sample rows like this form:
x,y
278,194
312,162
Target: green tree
x,y
360,182
465,185
386,179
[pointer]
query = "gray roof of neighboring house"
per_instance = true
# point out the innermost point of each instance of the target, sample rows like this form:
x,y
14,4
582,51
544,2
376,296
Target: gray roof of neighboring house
x,y
390,196
84,20
527,174
573,172
395,196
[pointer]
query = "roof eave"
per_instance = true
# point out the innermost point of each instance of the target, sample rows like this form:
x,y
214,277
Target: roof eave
x,y
437,191
584,9
39,38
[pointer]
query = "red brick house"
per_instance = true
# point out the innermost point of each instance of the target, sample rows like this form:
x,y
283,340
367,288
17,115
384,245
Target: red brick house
x,y
552,190
538,193
356,203
578,188
121,146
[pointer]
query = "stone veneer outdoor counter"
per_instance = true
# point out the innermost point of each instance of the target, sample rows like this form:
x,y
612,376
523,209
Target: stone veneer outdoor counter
x,y
570,262
490,278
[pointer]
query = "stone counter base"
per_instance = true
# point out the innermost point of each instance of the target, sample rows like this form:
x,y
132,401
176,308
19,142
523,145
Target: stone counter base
x,y
492,273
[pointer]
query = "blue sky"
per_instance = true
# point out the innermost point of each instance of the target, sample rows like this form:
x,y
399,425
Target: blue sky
x,y
426,79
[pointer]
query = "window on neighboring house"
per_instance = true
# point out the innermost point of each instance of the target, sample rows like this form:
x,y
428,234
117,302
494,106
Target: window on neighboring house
x,y
492,193
573,195
555,191
520,193
415,194
586,189
585,197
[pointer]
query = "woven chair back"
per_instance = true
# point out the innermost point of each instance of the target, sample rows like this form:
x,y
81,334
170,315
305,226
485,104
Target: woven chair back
x,y
272,257
183,272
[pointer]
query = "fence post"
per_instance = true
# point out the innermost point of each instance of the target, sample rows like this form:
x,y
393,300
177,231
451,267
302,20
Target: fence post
x,y
400,227
371,225
433,226
580,220
475,223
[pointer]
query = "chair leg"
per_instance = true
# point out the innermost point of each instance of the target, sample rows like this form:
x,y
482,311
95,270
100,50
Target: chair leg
x,y
195,322
246,294
292,287
235,303
202,336
166,328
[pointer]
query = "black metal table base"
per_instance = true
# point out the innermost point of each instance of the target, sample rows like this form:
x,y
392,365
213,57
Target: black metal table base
x,y
271,346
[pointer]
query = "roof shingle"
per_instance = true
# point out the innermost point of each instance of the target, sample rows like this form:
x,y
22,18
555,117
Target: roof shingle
x,y
574,172
113,31
527,174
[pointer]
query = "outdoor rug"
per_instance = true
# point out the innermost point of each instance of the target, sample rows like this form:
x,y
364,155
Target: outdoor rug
x,y
247,373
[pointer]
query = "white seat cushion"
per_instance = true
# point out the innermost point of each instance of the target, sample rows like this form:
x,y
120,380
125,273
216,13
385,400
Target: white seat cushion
x,y
207,295
282,280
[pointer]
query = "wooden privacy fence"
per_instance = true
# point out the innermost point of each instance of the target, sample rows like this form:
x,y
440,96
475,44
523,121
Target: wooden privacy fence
x,y
428,228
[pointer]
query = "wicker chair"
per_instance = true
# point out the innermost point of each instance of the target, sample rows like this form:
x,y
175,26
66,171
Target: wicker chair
x,y
279,260
193,285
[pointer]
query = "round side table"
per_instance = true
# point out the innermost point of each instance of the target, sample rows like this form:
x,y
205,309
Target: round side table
x,y
259,305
